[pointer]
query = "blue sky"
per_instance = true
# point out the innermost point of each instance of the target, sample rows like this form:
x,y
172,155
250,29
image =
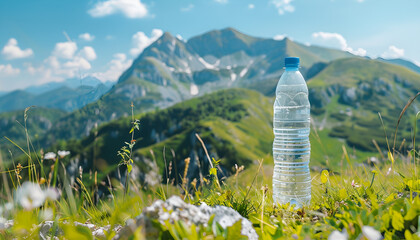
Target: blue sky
x,y
50,40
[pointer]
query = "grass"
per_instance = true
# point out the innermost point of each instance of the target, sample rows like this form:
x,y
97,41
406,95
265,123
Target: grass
x,y
374,199
354,200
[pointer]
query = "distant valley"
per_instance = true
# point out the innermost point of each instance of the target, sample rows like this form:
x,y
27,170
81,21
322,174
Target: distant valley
x,y
68,95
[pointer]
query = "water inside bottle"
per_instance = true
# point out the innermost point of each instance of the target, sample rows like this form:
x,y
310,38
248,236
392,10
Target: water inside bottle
x,y
291,146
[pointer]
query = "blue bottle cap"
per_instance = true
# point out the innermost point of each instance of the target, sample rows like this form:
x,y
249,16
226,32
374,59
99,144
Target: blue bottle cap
x,y
291,62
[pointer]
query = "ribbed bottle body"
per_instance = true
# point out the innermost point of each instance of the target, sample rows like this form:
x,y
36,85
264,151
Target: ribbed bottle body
x,y
291,146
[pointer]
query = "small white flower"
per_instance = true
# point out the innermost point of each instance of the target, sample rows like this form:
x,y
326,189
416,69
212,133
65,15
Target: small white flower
x,y
370,233
63,153
353,184
50,156
389,171
30,195
337,235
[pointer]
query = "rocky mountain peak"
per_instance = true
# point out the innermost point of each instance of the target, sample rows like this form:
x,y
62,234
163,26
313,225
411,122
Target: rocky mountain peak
x,y
220,43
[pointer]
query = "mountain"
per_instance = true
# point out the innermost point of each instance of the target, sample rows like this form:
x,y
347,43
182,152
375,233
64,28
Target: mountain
x,y
14,100
235,125
402,62
170,71
39,121
347,95
223,119
70,83
64,98
181,88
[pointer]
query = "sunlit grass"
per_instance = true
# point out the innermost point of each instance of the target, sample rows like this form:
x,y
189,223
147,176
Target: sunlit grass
x,y
354,200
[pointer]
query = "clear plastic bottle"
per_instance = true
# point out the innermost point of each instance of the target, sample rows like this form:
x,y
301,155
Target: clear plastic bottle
x,y
291,147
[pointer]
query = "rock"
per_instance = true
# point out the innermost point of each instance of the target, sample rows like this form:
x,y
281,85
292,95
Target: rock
x,y
397,79
8,224
381,86
407,84
364,86
97,232
44,228
318,98
349,96
100,232
175,209
88,225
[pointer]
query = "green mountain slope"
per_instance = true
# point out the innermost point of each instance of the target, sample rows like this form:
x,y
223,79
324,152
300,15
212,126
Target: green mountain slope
x,y
235,125
224,120
402,62
170,71
348,94
64,98
39,121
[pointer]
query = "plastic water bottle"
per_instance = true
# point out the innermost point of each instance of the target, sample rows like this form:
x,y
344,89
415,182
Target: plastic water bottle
x,y
291,147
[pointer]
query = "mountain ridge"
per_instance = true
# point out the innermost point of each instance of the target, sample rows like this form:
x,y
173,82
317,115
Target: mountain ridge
x,y
170,71
60,97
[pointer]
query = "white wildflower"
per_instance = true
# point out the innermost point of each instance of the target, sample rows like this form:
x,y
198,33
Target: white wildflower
x,y
63,153
50,156
30,195
389,171
353,184
337,235
370,233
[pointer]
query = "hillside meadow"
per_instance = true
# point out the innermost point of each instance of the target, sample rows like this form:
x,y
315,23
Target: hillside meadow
x,y
351,199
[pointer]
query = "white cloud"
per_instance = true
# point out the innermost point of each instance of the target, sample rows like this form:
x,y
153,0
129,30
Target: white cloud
x,y
283,6
53,62
77,63
88,53
87,37
12,51
279,37
393,52
187,8
129,8
65,50
64,62
8,70
141,41
53,69
336,40
221,1
251,6
114,68
359,52
331,39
